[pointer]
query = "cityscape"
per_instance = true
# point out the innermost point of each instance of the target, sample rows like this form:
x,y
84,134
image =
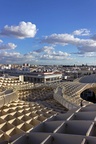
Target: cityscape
x,y
47,72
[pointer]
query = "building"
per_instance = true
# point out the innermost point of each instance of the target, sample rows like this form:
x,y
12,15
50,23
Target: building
x,y
41,77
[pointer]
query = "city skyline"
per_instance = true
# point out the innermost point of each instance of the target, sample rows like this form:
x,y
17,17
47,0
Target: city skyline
x,y
48,32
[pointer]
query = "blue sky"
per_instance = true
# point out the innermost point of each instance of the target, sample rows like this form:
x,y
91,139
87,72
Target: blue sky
x,y
48,31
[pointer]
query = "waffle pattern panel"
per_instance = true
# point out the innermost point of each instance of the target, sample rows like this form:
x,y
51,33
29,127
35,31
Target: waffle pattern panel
x,y
77,126
20,117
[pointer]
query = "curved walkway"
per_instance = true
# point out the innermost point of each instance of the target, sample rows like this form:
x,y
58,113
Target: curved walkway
x,y
19,117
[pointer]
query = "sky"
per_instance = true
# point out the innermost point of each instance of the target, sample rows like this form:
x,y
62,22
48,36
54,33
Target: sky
x,y
48,32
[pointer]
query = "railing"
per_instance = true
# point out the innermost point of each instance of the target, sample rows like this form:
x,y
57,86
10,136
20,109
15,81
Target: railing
x,y
69,102
3,92
63,101
7,98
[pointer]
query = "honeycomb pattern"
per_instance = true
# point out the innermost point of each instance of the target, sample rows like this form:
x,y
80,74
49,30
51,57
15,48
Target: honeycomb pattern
x,y
42,95
39,93
36,105
19,117
77,126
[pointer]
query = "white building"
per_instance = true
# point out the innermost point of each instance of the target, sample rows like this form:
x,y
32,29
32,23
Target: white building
x,y
44,77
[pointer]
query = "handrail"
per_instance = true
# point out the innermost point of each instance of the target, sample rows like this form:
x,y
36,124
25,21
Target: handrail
x,y
7,98
1,93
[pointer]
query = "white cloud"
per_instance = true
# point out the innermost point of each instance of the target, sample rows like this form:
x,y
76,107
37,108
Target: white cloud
x,y
83,45
81,32
1,41
45,53
56,56
87,49
57,39
94,37
21,31
62,39
46,49
14,57
86,54
90,54
7,57
8,46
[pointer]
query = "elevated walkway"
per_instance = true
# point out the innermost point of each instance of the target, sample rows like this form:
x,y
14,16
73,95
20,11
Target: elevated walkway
x,y
37,114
